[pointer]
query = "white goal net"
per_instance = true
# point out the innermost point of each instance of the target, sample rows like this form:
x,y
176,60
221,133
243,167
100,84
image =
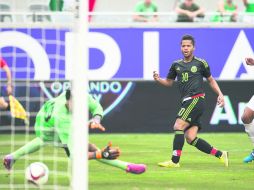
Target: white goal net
x,y
42,55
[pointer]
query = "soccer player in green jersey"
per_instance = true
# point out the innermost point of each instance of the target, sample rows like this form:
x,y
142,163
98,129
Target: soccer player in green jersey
x,y
189,72
53,125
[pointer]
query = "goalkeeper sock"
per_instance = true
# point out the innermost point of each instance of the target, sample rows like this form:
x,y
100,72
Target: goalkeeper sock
x,y
116,163
249,129
28,148
177,146
205,147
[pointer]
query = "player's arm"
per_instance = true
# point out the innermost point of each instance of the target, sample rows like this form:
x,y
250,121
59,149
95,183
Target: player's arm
x,y
140,18
164,82
214,85
249,61
212,82
245,2
109,152
97,112
91,155
94,106
170,77
221,7
9,79
155,17
92,148
199,11
180,10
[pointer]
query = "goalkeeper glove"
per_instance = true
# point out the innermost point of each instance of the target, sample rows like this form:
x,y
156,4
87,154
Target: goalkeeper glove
x,y
109,153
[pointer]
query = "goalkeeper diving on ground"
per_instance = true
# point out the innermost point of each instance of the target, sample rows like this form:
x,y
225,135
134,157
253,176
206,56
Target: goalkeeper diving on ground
x,y
52,126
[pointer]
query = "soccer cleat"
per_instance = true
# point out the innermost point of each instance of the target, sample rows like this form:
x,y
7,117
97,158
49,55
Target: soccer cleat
x,y
169,164
136,168
224,158
8,161
249,158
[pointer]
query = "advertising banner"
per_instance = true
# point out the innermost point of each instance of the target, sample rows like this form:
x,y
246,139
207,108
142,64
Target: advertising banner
x,y
137,106
124,53
151,108
137,52
34,53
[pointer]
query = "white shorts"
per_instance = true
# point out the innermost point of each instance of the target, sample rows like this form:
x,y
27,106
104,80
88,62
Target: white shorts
x,y
250,104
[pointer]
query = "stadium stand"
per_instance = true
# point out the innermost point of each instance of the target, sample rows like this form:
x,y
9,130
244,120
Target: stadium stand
x,y
163,5
119,12
5,6
38,8
124,6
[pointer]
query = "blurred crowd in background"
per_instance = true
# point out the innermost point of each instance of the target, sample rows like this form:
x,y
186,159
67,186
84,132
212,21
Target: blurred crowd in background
x,y
191,10
138,10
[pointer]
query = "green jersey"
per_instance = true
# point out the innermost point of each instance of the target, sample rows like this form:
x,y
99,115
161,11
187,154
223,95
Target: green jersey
x,y
189,76
55,108
250,6
53,121
56,5
142,7
94,106
229,8
225,18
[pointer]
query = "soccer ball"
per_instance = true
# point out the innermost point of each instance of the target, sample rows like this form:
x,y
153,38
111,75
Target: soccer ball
x,y
37,173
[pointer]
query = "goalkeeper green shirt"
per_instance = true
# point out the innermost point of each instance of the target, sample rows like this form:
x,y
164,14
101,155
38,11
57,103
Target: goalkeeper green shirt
x,y
53,121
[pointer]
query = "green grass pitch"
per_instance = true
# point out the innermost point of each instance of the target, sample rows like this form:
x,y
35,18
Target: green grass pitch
x,y
197,171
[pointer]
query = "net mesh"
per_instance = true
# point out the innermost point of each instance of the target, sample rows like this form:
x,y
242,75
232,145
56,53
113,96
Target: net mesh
x,y
36,57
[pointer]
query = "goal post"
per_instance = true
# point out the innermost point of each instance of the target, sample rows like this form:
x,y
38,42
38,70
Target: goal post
x,y
80,111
